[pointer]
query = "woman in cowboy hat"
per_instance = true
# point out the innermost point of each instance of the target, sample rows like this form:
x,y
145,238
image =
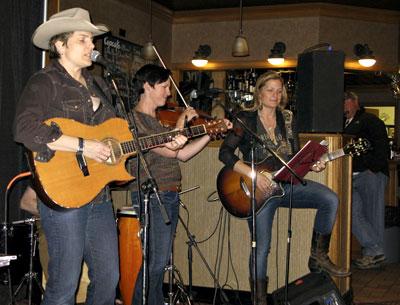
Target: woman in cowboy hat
x,y
66,89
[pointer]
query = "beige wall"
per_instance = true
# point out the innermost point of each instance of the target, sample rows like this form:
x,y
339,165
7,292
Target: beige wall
x,y
261,35
300,27
343,34
178,35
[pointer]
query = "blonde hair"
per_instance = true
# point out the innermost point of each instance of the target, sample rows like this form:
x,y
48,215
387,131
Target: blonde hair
x,y
261,81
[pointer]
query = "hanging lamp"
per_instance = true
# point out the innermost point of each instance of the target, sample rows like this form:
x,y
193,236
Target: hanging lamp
x,y
240,47
148,52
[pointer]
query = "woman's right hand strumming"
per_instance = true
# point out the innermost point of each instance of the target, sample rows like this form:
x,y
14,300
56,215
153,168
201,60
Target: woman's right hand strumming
x,y
96,150
264,183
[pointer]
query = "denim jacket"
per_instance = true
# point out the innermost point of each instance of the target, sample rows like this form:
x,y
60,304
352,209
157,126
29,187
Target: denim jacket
x,y
52,92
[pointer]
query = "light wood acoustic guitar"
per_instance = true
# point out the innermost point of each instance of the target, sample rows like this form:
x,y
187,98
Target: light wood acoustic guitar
x,y
234,188
60,182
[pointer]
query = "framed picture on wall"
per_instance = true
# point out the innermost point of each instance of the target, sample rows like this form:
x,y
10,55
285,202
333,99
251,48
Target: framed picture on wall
x,y
387,115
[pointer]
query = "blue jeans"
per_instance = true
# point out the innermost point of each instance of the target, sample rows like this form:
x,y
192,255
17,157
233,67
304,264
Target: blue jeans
x,y
87,233
368,211
312,195
160,239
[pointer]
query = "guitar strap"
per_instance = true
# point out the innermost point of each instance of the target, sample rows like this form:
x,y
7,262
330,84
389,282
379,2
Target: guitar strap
x,y
288,117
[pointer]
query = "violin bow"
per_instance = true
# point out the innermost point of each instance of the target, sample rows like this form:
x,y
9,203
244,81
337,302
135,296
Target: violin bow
x,y
170,77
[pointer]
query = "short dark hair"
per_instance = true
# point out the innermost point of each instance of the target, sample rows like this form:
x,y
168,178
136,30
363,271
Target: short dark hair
x,y
151,74
63,37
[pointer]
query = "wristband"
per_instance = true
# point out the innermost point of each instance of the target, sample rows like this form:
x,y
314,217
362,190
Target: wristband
x,y
80,158
80,146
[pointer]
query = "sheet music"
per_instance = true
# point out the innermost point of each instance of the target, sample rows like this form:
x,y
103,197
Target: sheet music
x,y
302,161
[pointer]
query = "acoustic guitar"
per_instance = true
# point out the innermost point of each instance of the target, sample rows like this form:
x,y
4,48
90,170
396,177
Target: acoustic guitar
x,y
60,182
234,188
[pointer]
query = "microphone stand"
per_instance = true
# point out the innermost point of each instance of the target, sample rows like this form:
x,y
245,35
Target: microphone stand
x,y
147,188
253,224
151,187
193,243
256,138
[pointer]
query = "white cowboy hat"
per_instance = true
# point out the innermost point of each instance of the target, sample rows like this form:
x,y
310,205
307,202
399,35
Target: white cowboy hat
x,y
74,19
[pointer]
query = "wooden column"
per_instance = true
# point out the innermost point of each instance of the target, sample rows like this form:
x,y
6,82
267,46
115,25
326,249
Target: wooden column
x,y
391,193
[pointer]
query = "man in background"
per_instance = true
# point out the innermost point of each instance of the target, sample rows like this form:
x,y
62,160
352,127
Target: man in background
x,y
370,176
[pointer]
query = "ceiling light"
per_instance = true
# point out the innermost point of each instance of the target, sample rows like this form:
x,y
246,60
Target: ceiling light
x,y
148,52
200,56
276,55
240,47
364,54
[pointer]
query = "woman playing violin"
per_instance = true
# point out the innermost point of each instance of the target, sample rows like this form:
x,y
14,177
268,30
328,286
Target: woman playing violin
x,y
152,88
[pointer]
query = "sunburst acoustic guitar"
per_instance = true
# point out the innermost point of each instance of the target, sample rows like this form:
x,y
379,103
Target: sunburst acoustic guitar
x,y
62,183
234,188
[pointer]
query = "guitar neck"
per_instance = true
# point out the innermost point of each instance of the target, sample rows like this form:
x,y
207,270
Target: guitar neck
x,y
333,155
149,142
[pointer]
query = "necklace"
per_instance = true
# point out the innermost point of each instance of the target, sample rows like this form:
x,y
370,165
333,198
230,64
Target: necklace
x,y
269,128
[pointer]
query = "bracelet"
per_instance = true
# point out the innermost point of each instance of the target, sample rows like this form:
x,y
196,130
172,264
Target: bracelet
x,y
80,146
80,158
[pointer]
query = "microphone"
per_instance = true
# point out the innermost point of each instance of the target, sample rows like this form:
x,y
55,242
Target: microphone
x,y
96,57
210,92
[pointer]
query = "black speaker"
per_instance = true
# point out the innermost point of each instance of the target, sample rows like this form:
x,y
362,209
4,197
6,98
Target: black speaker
x,y
311,289
320,85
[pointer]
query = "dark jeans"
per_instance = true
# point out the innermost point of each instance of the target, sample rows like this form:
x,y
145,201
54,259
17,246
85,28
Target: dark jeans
x,y
87,233
160,239
312,195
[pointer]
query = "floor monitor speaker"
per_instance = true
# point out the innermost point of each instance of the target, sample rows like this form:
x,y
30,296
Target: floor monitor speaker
x,y
320,85
311,289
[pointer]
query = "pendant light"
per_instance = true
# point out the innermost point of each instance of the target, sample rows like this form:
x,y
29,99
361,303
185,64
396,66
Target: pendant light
x,y
148,52
240,47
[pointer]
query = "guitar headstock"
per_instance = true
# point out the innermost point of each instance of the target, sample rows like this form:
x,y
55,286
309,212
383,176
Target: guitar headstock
x,y
357,147
216,128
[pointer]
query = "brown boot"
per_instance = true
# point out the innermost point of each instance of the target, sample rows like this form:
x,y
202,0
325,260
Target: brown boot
x,y
319,259
261,287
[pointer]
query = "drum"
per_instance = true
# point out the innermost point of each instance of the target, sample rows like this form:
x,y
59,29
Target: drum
x,y
130,251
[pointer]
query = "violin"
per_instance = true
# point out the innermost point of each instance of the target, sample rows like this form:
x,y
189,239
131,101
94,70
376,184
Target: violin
x,y
169,116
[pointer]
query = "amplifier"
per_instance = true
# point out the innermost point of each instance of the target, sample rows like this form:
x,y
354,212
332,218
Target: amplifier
x,y
311,289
